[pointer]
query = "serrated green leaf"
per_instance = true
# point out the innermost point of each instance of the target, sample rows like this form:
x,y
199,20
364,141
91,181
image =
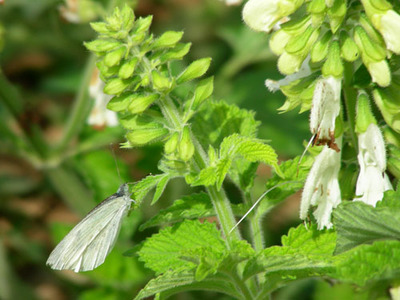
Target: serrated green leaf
x,y
162,252
194,70
194,206
379,261
143,187
304,253
162,183
173,282
359,223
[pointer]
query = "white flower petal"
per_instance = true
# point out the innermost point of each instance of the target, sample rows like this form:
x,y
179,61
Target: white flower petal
x,y
390,24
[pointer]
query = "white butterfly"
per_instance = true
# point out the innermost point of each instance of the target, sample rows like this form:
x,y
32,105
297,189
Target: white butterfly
x,y
87,245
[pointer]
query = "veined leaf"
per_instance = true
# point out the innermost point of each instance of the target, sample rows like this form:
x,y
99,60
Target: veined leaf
x,y
143,187
173,282
162,252
379,261
359,223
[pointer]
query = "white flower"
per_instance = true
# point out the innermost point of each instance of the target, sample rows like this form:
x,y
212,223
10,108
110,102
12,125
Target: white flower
x,y
100,116
372,181
322,188
325,108
69,11
262,15
390,26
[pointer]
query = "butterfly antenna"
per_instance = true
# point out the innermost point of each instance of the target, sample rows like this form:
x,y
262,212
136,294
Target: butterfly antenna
x,y
304,152
258,200
116,163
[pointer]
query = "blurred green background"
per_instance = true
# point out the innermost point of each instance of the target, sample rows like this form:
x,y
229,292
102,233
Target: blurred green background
x,y
54,167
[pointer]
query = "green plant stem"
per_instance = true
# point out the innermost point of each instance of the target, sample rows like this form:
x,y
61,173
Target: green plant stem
x,y
82,104
350,98
218,197
241,286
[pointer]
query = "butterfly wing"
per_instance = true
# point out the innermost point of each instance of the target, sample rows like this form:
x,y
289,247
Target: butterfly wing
x,y
86,246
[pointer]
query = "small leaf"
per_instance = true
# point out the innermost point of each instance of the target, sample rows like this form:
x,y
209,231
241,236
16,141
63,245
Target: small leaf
x,y
160,188
203,90
143,187
194,206
168,39
196,69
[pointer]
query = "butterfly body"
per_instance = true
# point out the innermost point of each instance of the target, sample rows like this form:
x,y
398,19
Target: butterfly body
x,y
87,245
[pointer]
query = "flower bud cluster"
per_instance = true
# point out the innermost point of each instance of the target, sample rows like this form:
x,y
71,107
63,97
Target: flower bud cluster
x,y
135,68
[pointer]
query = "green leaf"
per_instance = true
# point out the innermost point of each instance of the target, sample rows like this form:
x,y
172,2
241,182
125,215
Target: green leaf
x,y
168,39
162,251
162,183
369,263
194,206
304,253
203,90
173,282
359,223
195,69
143,187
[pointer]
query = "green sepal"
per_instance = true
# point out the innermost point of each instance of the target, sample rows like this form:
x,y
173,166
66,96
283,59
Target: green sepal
x,y
168,39
142,137
102,45
320,48
297,44
185,146
333,65
203,90
100,27
128,68
113,58
178,52
370,49
364,114
142,25
106,71
316,6
115,86
337,14
135,122
348,48
160,82
139,102
195,70
172,143
388,102
121,102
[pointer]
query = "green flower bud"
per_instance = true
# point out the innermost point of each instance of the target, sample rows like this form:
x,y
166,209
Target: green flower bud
x,y
380,72
128,68
168,39
172,143
388,103
278,41
320,48
106,71
297,44
289,64
102,45
145,80
160,82
348,49
372,33
142,137
364,115
120,103
336,14
136,122
100,27
333,65
127,18
370,49
194,70
316,6
143,24
186,147
113,58
115,86
139,103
